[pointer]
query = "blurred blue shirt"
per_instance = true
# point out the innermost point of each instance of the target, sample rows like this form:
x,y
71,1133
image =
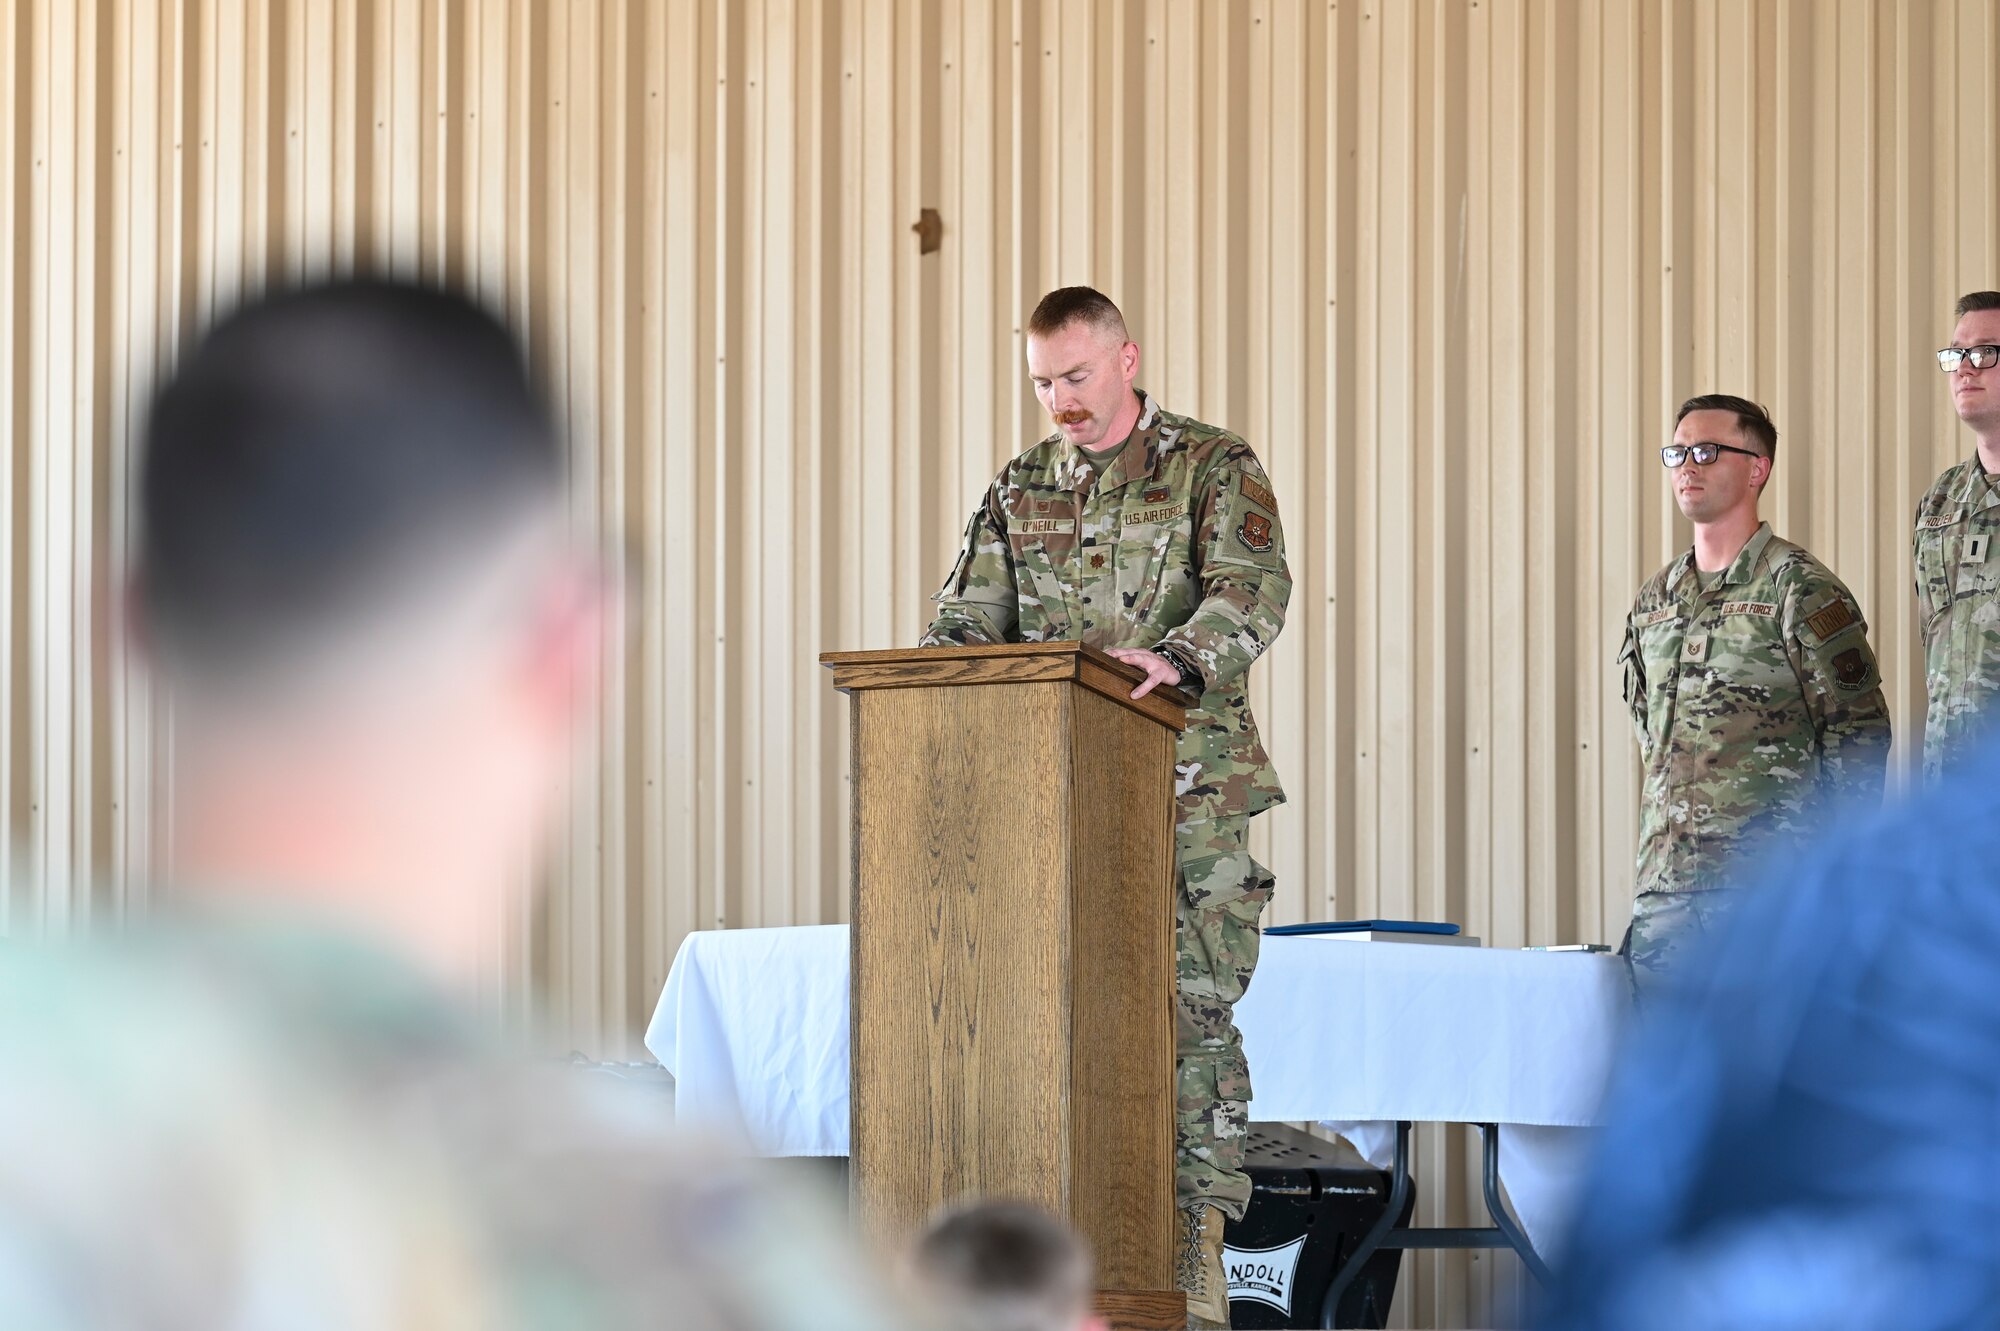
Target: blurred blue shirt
x,y
1807,1132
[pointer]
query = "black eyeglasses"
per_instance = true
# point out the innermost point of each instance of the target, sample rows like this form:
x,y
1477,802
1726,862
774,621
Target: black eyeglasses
x,y
1703,454
1982,358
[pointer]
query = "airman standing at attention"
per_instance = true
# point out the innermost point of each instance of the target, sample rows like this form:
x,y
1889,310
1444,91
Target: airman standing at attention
x,y
1958,574
1755,696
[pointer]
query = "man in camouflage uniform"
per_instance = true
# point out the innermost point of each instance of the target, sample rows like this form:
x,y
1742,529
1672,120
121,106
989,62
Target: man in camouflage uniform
x,y
1156,538
1957,571
1755,696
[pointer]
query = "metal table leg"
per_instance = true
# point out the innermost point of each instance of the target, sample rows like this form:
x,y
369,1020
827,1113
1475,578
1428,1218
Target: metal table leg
x,y
1504,1232
1399,1192
1503,1219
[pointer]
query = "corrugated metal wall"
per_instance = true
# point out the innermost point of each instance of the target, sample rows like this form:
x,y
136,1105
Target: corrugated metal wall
x,y
1449,265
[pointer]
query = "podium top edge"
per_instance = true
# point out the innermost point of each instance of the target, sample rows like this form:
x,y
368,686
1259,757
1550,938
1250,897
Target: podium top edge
x,y
1006,663
975,652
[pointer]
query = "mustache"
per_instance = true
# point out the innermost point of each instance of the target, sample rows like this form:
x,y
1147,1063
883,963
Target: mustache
x,y
1069,417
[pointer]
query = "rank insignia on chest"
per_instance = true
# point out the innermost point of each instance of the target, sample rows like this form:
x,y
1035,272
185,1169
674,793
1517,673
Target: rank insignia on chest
x,y
1695,647
1255,533
1975,549
1097,561
1158,494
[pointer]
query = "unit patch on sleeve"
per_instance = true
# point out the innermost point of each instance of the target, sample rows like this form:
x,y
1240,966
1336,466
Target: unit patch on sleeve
x,y
1255,533
1256,493
1831,620
1850,668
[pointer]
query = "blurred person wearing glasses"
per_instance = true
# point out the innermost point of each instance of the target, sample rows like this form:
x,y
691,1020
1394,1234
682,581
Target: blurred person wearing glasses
x,y
1753,691
1957,571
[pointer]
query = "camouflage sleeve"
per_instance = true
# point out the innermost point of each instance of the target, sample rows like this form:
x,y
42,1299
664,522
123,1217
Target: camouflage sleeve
x,y
1924,607
1239,556
978,603
1632,666
1843,687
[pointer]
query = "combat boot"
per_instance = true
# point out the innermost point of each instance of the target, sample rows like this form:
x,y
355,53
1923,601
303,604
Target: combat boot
x,y
1199,1269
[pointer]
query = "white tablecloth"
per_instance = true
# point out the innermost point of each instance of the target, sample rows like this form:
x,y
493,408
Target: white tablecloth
x,y
753,1025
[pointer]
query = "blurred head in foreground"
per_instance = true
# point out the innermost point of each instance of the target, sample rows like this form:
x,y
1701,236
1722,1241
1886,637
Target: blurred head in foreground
x,y
354,579
1004,1266
261,1109
1802,1134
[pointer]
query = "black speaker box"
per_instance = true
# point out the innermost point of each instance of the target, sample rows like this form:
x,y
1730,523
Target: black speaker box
x,y
1311,1202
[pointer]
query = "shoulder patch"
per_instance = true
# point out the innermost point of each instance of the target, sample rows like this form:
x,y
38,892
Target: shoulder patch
x,y
1255,533
1831,620
1850,668
1652,617
1256,493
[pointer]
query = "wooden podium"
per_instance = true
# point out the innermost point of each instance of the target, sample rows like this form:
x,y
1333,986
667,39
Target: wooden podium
x,y
1013,967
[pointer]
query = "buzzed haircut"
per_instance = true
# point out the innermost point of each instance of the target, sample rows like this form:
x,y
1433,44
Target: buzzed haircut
x,y
1068,305
321,447
1004,1266
1754,420
1977,300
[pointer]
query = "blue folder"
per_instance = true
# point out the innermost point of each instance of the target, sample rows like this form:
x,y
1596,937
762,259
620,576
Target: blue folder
x,y
1359,926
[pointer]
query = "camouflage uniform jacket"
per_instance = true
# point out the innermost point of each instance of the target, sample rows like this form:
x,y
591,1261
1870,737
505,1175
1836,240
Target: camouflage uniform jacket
x,y
1757,703
1177,545
1958,608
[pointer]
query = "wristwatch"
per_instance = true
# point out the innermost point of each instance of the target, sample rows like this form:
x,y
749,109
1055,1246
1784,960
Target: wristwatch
x,y
1190,680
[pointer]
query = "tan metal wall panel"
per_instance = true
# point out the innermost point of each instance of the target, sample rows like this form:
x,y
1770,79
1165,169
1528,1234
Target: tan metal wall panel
x,y
1449,264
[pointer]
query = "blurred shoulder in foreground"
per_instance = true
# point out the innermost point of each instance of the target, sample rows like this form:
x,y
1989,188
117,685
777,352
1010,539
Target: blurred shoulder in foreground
x,y
269,1125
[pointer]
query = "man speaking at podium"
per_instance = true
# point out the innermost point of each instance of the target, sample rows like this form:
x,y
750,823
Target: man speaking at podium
x,y
1155,538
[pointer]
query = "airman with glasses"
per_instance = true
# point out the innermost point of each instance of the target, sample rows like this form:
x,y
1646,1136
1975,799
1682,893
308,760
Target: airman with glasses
x,y
1753,692
1957,572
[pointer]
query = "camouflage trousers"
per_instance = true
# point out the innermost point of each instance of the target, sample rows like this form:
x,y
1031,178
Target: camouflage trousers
x,y
1665,926
1222,892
